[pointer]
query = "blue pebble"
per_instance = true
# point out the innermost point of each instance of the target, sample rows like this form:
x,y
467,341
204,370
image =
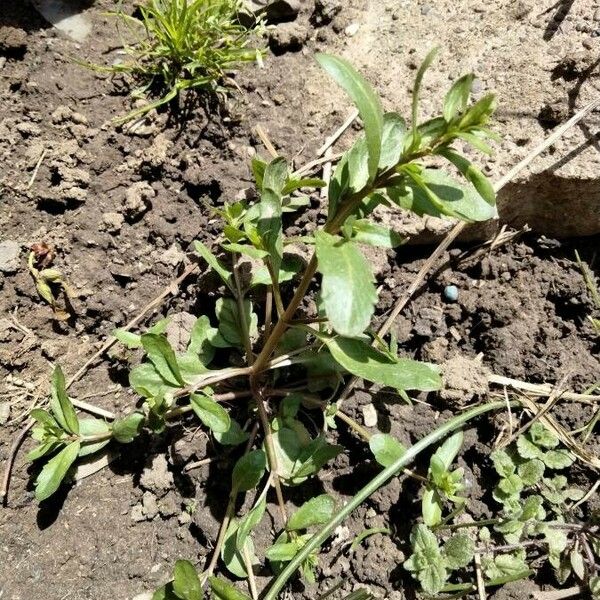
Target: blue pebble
x,y
451,293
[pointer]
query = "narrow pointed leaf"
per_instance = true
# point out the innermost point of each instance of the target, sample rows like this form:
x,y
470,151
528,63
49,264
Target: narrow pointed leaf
x,y
365,99
60,404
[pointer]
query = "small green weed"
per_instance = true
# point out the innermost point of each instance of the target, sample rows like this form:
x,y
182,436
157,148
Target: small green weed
x,y
180,45
539,522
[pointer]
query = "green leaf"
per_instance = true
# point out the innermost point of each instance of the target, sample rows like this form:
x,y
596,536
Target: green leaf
x,y
386,449
479,113
365,99
316,511
503,463
457,98
312,457
232,552
125,430
146,380
44,418
577,564
527,449
163,358
225,591
531,471
392,140
250,251
558,459
367,232
186,583
211,413
214,263
449,450
275,175
417,88
165,592
55,470
200,336
295,184
249,522
348,292
432,192
233,436
61,405
89,427
431,507
282,552
594,585
362,360
459,551
258,171
426,562
230,326
290,266
472,174
542,437
249,470
128,339
42,450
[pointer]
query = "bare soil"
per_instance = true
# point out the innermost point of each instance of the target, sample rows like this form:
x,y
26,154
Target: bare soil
x,y
122,208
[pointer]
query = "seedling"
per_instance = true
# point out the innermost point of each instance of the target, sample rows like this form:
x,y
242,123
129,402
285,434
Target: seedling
x,y
290,365
180,45
590,283
538,522
49,283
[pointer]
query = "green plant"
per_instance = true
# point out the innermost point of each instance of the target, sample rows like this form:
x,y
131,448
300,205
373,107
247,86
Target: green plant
x,y
538,522
181,45
291,366
590,284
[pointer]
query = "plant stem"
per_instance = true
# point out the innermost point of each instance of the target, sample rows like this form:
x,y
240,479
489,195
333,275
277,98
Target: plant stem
x,y
221,537
380,479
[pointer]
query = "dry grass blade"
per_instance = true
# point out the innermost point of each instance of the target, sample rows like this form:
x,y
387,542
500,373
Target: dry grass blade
x,y
565,436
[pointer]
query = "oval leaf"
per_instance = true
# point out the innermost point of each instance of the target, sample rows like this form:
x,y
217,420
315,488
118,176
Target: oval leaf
x,y
125,430
186,583
316,511
54,471
386,449
348,292
248,471
211,413
163,358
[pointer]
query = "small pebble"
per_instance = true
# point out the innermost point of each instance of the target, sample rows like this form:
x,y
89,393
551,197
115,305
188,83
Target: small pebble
x,y
451,293
352,29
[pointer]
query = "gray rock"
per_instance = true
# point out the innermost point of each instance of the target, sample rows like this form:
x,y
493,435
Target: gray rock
x,y
4,412
9,256
149,505
113,221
